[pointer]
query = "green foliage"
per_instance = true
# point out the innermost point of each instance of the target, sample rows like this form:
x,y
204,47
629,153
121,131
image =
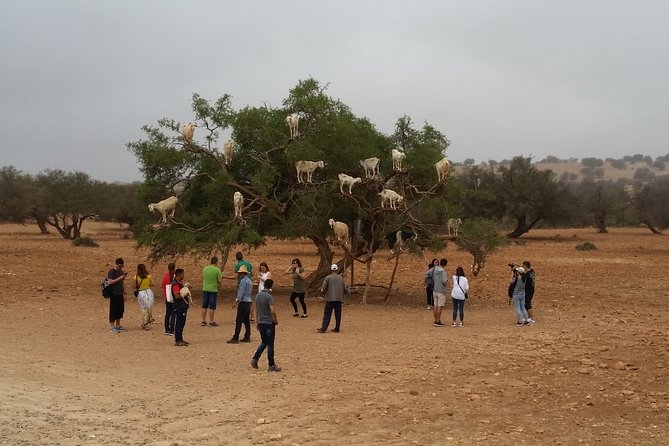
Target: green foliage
x,y
480,239
592,163
85,242
586,246
263,170
15,195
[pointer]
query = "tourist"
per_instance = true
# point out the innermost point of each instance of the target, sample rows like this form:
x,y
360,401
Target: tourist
x,y
428,280
169,306
439,291
517,283
240,261
144,294
115,278
211,279
334,289
530,281
459,294
262,277
243,304
299,286
181,305
267,322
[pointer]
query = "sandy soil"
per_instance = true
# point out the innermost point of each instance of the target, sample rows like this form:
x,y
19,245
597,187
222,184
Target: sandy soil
x,y
593,370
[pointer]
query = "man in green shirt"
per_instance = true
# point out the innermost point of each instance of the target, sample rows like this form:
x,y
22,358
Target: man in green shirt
x,y
240,261
211,278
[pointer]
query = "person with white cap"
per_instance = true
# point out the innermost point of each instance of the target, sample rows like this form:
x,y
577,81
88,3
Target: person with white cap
x,y
243,303
334,288
517,284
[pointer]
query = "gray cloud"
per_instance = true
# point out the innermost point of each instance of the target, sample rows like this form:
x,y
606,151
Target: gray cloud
x,y
569,78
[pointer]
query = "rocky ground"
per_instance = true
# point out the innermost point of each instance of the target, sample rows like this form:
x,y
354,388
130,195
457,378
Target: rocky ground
x,y
593,370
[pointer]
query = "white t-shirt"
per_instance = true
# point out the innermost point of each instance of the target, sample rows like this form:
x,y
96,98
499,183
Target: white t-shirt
x,y
261,280
458,292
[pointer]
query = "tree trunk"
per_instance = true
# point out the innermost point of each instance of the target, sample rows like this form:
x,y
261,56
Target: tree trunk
x,y
392,277
601,226
315,280
652,228
368,278
41,223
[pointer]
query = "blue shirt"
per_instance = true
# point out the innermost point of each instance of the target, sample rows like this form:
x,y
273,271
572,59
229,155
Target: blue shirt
x,y
244,290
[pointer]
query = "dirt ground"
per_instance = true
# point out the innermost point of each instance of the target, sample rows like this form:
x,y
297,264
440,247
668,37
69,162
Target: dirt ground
x,y
592,370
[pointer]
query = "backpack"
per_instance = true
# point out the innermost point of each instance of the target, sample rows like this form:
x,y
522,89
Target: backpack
x,y
429,280
106,288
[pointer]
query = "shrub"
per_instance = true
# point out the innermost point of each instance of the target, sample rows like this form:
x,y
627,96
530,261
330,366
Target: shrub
x,y
85,241
586,246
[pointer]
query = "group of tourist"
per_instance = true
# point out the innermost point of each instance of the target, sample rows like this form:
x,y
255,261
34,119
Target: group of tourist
x,y
177,302
521,291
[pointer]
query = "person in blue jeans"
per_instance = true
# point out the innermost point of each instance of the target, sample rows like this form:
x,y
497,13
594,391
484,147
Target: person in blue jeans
x,y
518,295
266,326
181,305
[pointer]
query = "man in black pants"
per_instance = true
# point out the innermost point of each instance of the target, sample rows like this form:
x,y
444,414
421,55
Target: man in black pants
x,y
334,288
243,303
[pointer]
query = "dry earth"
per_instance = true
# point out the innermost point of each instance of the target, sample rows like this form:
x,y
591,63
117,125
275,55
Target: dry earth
x,y
593,370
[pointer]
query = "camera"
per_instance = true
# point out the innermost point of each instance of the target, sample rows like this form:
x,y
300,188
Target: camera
x,y
512,265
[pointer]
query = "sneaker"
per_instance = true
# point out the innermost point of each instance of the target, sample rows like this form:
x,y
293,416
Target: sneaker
x,y
462,324
335,330
203,324
274,368
429,307
304,315
114,330
120,328
169,333
296,314
320,330
453,324
519,324
232,341
246,340
181,344
254,363
531,321
438,324
525,323
213,324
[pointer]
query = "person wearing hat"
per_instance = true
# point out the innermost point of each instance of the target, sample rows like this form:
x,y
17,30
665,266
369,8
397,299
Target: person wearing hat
x,y
517,283
243,304
211,278
334,288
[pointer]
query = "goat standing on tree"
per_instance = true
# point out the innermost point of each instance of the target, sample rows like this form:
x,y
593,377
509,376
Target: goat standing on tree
x,y
308,168
165,207
347,180
398,156
188,131
227,151
293,123
341,231
442,166
238,201
371,166
391,197
454,225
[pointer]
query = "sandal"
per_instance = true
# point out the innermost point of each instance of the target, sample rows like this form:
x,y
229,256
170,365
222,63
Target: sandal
x,y
203,324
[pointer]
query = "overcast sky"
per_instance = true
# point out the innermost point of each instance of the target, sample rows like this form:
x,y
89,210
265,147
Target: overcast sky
x,y
501,78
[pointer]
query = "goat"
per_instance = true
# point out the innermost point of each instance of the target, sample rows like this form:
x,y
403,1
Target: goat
x,y
168,205
397,240
398,156
293,122
227,151
442,166
454,224
238,200
346,180
341,231
371,166
188,131
390,196
307,167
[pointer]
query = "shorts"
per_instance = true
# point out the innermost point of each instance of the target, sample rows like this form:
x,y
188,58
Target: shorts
x,y
209,299
439,299
528,302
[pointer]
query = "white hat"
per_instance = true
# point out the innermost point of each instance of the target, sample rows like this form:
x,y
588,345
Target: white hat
x,y
521,270
334,267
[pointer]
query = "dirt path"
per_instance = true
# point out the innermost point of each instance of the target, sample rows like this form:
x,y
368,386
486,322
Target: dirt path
x,y
593,370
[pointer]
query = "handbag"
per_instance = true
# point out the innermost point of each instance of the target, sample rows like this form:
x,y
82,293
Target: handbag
x,y
168,293
136,290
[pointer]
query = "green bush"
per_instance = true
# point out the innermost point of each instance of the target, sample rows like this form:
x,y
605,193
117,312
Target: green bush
x,y
586,246
85,241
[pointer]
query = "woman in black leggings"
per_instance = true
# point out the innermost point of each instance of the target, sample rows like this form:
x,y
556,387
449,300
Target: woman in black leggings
x,y
299,286
429,283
